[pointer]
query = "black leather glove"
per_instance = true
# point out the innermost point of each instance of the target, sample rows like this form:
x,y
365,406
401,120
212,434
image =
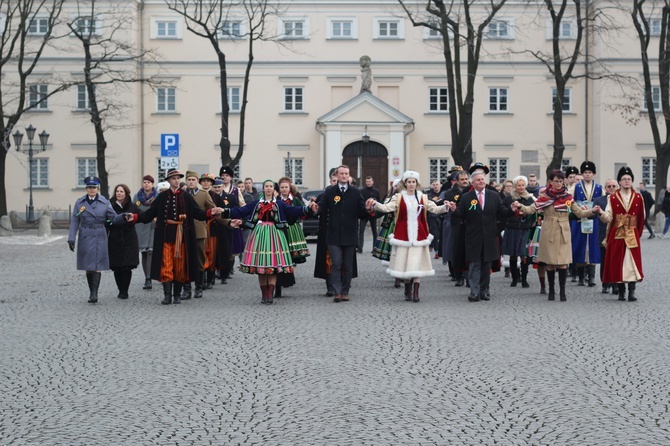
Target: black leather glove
x,y
71,246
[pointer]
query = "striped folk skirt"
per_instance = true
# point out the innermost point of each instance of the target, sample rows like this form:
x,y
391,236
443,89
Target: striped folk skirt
x,y
297,243
266,251
382,247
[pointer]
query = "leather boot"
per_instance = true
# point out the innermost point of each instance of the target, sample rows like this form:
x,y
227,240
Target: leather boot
x,y
562,276
209,280
507,272
95,284
551,278
524,275
460,278
198,286
185,291
592,275
543,289
622,291
631,292
127,278
147,284
89,278
271,290
167,293
514,270
277,291
408,291
415,294
573,272
580,273
606,288
176,294
264,294
397,283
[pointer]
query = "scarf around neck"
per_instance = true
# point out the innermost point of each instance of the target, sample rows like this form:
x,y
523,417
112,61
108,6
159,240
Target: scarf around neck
x,y
559,198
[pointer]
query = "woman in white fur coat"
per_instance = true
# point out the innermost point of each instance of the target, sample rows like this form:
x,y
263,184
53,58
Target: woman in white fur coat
x,y
410,256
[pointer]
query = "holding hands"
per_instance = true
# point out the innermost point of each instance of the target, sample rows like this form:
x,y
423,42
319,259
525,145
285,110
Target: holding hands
x,y
370,204
235,223
313,206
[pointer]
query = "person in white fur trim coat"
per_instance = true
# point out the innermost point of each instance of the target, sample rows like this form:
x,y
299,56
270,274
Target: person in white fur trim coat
x,y
410,256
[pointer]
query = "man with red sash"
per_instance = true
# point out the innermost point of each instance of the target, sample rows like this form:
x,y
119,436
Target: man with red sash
x,y
625,217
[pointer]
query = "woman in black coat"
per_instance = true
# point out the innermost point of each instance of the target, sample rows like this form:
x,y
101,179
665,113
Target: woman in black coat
x,y
122,241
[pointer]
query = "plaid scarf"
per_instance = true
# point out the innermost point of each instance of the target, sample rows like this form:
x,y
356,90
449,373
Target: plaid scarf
x,y
147,199
559,198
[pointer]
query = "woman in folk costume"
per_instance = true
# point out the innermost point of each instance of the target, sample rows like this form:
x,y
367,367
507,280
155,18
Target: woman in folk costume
x,y
267,252
294,235
625,216
382,248
555,242
410,256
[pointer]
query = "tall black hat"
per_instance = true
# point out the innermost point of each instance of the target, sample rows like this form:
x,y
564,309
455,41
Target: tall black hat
x,y
479,166
228,170
625,170
572,170
588,165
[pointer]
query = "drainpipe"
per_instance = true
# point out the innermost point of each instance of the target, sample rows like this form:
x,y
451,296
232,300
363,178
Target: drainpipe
x,y
322,148
586,84
142,135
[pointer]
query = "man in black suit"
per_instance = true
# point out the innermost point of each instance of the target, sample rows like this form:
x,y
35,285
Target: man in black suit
x,y
479,209
344,205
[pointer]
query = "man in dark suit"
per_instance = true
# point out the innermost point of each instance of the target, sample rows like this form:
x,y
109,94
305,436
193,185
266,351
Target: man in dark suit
x,y
648,204
479,209
344,205
610,187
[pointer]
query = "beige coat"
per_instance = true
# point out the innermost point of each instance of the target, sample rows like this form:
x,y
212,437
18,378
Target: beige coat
x,y
555,240
205,203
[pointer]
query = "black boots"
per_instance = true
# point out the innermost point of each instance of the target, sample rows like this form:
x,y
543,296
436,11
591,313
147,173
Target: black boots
x,y
415,295
210,279
524,274
591,275
562,276
186,292
93,279
514,270
408,291
621,287
167,293
551,278
199,285
123,279
543,289
271,291
631,291
277,291
397,283
147,284
580,273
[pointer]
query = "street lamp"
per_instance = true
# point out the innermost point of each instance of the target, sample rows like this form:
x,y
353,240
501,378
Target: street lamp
x,y
18,137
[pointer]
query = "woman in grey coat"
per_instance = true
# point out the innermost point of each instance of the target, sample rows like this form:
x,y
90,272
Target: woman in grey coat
x,y
145,231
87,225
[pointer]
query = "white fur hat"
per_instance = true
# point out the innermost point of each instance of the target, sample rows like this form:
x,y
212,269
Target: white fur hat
x,y
411,174
163,185
395,182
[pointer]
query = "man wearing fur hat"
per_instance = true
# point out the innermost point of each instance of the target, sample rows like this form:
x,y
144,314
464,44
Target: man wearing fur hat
x,y
585,247
480,209
625,215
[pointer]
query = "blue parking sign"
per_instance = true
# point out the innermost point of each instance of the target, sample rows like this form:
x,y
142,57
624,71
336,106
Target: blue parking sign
x,y
170,145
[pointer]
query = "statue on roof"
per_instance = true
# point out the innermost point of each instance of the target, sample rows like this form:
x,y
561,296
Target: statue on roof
x,y
366,74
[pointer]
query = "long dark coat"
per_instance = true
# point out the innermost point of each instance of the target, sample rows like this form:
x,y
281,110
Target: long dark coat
x,y
88,227
343,212
320,266
223,236
166,233
481,228
122,241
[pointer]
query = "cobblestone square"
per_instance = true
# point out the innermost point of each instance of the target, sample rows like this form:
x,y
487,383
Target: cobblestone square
x,y
517,370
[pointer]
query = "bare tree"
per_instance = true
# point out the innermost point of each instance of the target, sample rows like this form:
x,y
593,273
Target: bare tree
x,y
215,21
453,21
105,31
20,53
642,14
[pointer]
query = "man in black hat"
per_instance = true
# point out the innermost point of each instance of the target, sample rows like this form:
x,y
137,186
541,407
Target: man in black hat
x,y
480,209
585,247
625,216
571,178
175,258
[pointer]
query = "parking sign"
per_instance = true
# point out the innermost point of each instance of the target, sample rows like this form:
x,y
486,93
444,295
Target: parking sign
x,y
169,145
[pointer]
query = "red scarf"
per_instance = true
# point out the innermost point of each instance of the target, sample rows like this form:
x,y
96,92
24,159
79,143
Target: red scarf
x,y
559,198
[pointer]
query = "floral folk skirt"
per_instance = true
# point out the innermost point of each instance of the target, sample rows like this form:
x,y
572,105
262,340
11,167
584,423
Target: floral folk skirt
x,y
382,247
267,251
297,243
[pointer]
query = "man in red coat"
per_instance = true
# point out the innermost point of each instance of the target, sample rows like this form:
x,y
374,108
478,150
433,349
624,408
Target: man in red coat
x,y
625,217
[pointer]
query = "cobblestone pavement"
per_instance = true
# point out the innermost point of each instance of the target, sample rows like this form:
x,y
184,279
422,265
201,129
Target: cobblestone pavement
x,y
517,370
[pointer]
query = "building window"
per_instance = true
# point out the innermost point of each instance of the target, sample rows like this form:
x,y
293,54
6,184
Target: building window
x,y
231,29
649,171
502,29
567,99
388,29
293,99
293,170
83,101
498,169
39,172
88,26
567,29
294,28
439,99
165,100
233,94
565,163
343,28
498,100
655,97
37,97
438,169
86,167
38,26
166,30
655,27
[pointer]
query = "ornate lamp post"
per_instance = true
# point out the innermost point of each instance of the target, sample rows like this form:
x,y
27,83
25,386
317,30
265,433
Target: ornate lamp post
x,y
18,137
